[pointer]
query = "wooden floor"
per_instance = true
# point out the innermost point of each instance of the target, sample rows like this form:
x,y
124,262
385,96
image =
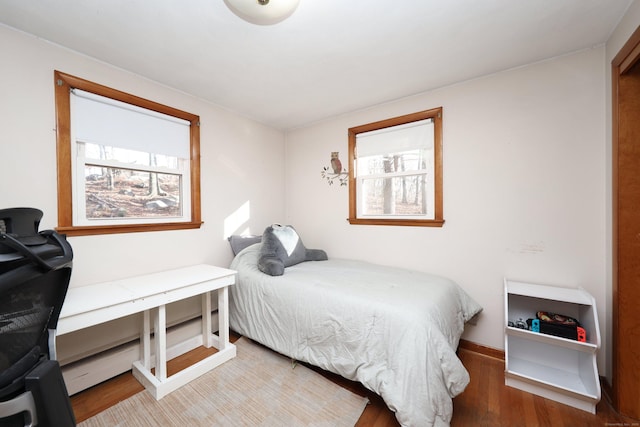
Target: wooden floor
x,y
485,402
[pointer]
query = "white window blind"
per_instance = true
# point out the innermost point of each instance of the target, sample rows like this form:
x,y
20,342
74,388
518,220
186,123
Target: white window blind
x,y
109,122
397,139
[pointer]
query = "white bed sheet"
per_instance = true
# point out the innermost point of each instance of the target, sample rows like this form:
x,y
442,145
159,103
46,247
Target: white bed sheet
x,y
393,330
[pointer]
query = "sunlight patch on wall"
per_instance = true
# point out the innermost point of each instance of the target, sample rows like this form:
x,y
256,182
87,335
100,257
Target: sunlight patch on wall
x,y
236,223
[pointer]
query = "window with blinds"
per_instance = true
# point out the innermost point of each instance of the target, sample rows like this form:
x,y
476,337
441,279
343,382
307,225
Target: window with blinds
x,y
396,171
132,162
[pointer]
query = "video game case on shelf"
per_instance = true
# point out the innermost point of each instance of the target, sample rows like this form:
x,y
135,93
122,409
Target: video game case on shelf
x,y
558,325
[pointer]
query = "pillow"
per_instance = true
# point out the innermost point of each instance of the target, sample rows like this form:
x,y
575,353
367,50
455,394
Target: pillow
x,y
282,247
238,242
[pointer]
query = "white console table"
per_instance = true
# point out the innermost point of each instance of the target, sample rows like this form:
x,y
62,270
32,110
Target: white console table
x,y
90,305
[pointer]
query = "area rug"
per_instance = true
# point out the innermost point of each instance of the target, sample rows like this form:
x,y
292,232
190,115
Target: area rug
x,y
256,388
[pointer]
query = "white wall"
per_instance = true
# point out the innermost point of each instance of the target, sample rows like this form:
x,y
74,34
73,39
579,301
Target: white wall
x,y
524,186
242,170
619,37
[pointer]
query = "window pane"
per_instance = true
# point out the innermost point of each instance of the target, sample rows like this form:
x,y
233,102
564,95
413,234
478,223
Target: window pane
x,y
398,196
414,160
129,193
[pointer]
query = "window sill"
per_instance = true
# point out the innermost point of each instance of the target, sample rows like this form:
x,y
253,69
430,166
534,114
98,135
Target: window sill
x,y
125,228
400,222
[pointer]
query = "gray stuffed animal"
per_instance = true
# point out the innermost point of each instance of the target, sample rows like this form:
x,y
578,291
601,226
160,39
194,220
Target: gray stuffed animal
x,y
282,247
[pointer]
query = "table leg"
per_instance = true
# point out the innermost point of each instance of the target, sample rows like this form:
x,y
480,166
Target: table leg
x,y
145,340
207,340
223,318
160,328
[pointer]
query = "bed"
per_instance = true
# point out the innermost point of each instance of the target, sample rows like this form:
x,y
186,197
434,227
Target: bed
x,y
393,330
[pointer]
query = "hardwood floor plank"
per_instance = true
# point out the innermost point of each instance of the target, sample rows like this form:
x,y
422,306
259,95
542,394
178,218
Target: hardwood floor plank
x,y
529,410
542,413
515,412
92,401
494,408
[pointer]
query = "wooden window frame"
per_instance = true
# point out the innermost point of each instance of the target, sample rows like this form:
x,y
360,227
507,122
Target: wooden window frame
x,y
63,84
438,220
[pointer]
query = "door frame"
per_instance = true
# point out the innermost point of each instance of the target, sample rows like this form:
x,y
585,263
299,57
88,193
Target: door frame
x,y
624,60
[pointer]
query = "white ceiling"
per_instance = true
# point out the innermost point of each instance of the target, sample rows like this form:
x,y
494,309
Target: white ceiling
x,y
330,57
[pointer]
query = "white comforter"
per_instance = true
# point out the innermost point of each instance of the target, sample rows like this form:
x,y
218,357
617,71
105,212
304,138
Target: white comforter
x,y
393,330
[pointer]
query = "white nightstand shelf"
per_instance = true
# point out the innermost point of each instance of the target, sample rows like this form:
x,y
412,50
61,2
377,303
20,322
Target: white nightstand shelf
x,y
557,368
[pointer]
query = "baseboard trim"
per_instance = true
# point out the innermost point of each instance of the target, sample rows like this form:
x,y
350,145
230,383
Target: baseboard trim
x,y
481,349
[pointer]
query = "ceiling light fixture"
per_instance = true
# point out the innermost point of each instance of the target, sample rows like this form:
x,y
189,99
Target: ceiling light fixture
x,y
263,12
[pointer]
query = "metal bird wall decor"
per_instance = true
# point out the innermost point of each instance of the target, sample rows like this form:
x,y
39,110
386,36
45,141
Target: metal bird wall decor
x,y
335,171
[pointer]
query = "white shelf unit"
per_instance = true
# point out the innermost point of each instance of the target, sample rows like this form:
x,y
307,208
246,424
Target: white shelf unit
x,y
556,368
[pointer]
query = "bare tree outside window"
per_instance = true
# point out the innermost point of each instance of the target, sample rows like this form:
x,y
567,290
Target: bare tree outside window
x,y
130,192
